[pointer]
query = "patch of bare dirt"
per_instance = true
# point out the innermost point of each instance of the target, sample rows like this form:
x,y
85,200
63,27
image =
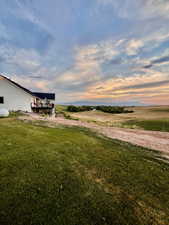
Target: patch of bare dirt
x,y
154,140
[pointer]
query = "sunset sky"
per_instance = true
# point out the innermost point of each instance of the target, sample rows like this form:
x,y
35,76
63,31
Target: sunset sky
x,y
107,51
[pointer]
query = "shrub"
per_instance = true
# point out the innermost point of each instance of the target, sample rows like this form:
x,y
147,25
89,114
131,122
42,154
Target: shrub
x,y
72,108
103,108
113,109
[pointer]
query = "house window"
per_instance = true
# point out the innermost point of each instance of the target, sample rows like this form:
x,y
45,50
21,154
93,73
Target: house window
x,y
1,100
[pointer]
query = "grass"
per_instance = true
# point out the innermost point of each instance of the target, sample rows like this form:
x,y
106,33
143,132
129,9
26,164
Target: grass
x,y
148,118
156,125
61,108
15,114
160,109
70,176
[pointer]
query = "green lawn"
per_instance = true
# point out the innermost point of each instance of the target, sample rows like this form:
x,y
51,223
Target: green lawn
x,y
156,125
69,176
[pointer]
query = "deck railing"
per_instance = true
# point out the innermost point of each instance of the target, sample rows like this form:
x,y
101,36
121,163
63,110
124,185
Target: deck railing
x,y
42,105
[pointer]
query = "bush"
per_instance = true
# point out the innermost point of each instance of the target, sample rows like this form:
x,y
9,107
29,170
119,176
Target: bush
x,y
72,108
113,109
107,109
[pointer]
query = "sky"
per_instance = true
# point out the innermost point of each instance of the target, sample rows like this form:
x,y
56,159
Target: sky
x,y
104,51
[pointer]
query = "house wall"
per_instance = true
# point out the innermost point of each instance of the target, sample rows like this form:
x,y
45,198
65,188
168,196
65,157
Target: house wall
x,y
14,97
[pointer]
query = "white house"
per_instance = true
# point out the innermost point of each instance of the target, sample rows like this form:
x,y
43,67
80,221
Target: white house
x,y
14,97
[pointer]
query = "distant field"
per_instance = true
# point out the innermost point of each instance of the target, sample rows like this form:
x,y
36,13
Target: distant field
x,y
162,109
156,125
150,118
69,176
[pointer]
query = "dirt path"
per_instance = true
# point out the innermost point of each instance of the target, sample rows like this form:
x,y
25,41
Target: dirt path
x,y
155,140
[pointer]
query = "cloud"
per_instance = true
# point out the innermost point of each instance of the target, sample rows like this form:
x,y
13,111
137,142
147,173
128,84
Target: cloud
x,y
86,69
26,10
40,85
140,9
101,49
115,61
147,85
161,60
147,66
21,28
24,60
4,34
104,50
134,46
129,88
85,79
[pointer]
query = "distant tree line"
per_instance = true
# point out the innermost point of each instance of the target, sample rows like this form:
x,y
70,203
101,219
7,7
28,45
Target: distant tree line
x,y
113,109
73,108
103,108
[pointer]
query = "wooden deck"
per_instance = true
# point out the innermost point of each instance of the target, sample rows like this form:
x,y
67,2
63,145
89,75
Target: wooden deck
x,y
43,108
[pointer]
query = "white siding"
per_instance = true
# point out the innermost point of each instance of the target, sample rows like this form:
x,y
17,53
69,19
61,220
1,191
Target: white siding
x,y
14,97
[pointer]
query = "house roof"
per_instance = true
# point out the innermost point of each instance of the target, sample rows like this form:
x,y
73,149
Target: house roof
x,y
18,85
50,96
